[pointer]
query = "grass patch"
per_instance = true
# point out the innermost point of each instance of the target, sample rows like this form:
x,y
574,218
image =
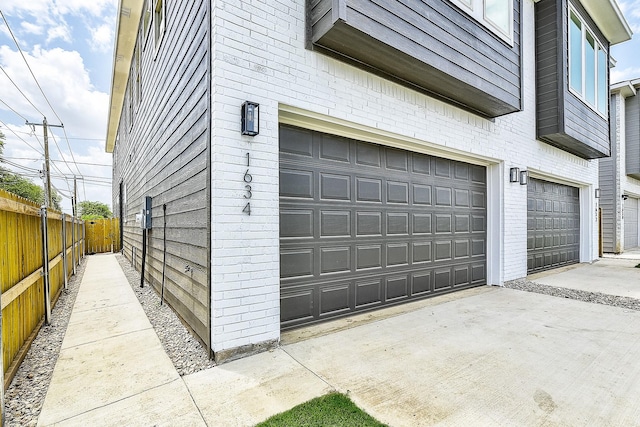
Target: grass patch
x,y
333,409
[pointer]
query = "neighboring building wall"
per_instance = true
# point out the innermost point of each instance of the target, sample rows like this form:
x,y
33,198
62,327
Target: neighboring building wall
x,y
609,178
267,62
615,179
162,152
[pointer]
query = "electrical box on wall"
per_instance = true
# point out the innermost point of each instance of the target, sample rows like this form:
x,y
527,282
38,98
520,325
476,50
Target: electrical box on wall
x,y
146,213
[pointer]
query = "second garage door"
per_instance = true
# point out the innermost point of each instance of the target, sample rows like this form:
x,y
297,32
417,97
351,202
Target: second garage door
x,y
630,223
365,226
553,225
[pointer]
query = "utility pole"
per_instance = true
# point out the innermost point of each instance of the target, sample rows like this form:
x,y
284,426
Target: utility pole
x,y
47,169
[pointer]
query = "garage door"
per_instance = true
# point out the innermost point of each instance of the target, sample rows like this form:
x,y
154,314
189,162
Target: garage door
x,y
630,223
364,226
553,225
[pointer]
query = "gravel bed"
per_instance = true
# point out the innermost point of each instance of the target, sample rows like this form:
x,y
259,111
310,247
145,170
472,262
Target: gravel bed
x,y
185,351
25,396
585,296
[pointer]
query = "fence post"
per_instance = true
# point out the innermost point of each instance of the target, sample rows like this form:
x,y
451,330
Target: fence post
x,y
64,249
45,265
73,243
2,417
84,238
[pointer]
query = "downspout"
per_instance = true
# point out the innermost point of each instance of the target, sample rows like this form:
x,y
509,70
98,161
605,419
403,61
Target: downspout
x,y
209,174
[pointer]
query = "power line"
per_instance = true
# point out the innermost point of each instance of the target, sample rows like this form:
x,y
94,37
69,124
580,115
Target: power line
x,y
19,90
22,139
80,163
9,107
43,94
26,62
77,137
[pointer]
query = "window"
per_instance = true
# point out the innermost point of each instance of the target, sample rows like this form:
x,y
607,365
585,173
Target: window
x,y
496,15
587,65
138,66
158,19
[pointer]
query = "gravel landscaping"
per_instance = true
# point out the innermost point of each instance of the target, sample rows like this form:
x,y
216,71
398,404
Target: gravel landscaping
x,y
593,297
26,394
185,351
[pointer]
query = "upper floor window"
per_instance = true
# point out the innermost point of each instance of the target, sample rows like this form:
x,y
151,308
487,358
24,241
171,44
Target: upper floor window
x,y
587,65
158,18
496,15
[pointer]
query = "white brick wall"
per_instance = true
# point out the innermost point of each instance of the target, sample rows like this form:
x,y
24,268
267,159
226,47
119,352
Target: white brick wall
x,y
624,183
259,55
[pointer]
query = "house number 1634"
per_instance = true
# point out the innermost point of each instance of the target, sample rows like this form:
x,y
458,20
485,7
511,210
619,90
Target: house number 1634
x,y
247,188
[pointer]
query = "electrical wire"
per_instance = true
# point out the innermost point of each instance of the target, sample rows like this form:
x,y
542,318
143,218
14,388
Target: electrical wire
x,y
9,107
80,163
42,92
23,140
19,90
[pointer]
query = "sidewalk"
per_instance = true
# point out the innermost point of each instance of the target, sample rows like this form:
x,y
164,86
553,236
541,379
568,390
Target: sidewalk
x,y
112,369
482,356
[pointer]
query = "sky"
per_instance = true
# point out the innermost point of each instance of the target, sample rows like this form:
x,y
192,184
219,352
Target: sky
x,y
69,46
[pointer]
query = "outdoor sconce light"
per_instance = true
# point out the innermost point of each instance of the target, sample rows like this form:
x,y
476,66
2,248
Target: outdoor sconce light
x,y
524,177
597,193
250,118
625,197
513,174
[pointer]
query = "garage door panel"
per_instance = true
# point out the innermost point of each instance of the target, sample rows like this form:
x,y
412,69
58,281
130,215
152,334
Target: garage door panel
x,y
368,292
631,223
380,226
553,225
396,287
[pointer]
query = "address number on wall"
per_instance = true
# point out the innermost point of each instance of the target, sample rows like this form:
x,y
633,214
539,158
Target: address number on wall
x,y
247,189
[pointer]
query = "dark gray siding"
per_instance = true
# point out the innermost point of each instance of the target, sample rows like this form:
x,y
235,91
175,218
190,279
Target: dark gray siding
x,y
563,120
430,46
607,183
633,136
163,153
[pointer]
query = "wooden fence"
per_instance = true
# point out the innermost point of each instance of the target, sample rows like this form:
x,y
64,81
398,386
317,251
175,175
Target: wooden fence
x,y
102,235
24,282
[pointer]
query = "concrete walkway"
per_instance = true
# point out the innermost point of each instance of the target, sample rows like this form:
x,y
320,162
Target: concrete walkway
x,y
484,356
112,369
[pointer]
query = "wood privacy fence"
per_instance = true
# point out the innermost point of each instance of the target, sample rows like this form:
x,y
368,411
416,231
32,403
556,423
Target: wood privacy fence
x,y
102,235
29,290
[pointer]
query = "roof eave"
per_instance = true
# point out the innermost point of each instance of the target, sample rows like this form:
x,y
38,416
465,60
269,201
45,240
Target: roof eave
x,y
609,19
129,15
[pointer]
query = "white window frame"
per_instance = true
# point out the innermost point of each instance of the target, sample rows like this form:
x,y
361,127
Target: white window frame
x,y
476,9
582,95
159,25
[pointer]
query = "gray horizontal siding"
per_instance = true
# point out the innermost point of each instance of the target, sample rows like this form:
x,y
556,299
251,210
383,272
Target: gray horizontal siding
x,y
607,183
432,47
632,142
563,120
164,154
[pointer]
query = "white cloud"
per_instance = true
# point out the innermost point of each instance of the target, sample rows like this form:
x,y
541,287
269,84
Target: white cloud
x,y
30,28
102,37
61,32
629,73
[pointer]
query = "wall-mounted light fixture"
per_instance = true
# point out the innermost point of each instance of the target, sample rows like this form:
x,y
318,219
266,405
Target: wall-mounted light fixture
x,y
625,197
597,193
514,174
250,118
524,177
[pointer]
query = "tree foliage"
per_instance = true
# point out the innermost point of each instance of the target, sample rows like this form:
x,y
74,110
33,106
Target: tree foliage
x,y
94,210
1,144
24,187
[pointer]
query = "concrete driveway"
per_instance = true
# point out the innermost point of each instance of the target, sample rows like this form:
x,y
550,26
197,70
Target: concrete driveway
x,y
485,356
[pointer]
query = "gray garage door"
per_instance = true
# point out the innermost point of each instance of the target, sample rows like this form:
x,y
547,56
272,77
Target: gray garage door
x,y
553,225
630,223
364,226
